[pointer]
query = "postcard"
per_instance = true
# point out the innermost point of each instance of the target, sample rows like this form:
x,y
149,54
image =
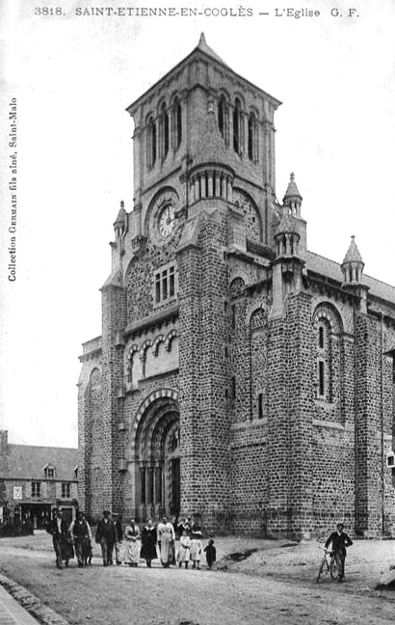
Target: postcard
x,y
70,69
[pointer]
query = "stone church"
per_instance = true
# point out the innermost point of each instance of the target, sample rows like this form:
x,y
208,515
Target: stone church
x,y
239,377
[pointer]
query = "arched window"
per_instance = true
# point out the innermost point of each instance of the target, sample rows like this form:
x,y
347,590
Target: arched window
x,y
177,123
324,360
237,129
252,138
164,131
221,115
329,362
258,363
151,142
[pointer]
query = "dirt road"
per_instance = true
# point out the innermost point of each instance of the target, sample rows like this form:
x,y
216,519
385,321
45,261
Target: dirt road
x,y
121,596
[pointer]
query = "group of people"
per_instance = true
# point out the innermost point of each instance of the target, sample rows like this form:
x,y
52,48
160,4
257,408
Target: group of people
x,y
66,538
149,542
129,546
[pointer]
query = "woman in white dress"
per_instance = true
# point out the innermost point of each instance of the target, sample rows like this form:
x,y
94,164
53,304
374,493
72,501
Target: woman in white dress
x,y
132,543
166,538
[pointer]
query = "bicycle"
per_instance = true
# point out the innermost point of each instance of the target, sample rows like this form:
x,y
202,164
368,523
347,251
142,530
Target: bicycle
x,y
330,564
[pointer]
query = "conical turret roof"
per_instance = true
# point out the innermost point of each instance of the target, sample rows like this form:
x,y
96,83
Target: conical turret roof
x,y
121,217
353,255
211,144
292,190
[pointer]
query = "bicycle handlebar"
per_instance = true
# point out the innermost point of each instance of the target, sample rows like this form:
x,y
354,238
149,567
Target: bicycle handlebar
x,y
329,551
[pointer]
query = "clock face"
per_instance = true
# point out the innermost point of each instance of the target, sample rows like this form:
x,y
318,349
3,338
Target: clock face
x,y
166,221
161,217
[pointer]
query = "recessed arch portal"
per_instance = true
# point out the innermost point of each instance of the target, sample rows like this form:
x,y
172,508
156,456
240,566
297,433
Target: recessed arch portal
x,y
155,449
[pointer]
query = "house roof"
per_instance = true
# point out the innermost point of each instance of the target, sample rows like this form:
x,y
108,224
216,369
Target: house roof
x,y
331,269
29,462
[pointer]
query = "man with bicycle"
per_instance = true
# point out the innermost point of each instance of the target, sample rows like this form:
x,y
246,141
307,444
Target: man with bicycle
x,y
339,540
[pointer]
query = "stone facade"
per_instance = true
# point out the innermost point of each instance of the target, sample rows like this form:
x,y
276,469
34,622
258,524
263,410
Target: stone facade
x,y
239,378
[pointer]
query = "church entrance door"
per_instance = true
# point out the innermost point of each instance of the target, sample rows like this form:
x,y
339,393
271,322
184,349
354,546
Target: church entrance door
x,y
157,465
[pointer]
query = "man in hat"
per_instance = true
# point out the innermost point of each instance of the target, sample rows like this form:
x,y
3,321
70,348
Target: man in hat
x,y
59,530
106,537
339,541
81,533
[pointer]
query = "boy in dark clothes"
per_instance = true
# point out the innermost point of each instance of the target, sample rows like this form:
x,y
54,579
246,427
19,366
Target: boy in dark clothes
x,y
339,541
211,553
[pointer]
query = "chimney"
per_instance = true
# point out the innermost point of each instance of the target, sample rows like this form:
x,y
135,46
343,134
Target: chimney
x,y
3,441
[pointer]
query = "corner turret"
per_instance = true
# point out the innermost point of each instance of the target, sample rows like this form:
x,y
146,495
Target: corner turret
x,y
352,270
289,263
120,222
292,199
352,265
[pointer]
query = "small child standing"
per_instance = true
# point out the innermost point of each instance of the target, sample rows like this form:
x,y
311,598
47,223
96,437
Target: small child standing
x,y
211,553
184,550
196,548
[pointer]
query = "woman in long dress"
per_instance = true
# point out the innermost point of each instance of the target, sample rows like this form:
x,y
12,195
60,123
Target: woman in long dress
x,y
148,543
166,538
132,543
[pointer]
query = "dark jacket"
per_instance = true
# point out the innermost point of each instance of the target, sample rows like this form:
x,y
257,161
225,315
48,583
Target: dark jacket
x,y
80,530
54,528
106,531
339,542
61,538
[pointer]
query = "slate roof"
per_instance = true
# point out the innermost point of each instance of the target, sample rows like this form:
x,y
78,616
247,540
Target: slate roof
x,y
28,462
331,269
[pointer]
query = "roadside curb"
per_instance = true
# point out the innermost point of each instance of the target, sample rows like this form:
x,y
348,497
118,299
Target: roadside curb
x,y
31,604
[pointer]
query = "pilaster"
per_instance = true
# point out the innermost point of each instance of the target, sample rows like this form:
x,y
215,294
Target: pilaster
x,y
369,458
290,418
114,321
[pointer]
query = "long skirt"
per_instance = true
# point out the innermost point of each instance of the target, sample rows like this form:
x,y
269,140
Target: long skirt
x,y
148,551
167,550
132,551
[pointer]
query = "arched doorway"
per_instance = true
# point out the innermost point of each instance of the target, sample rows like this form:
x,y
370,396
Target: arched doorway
x,y
157,458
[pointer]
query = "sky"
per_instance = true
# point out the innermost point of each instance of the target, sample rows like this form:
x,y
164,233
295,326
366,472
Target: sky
x,y
73,77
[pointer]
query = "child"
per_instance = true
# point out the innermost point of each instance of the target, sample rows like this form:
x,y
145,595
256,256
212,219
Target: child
x,y
184,549
196,548
211,553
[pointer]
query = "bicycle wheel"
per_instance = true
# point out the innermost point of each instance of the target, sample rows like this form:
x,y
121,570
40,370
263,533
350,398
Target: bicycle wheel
x,y
335,566
321,569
